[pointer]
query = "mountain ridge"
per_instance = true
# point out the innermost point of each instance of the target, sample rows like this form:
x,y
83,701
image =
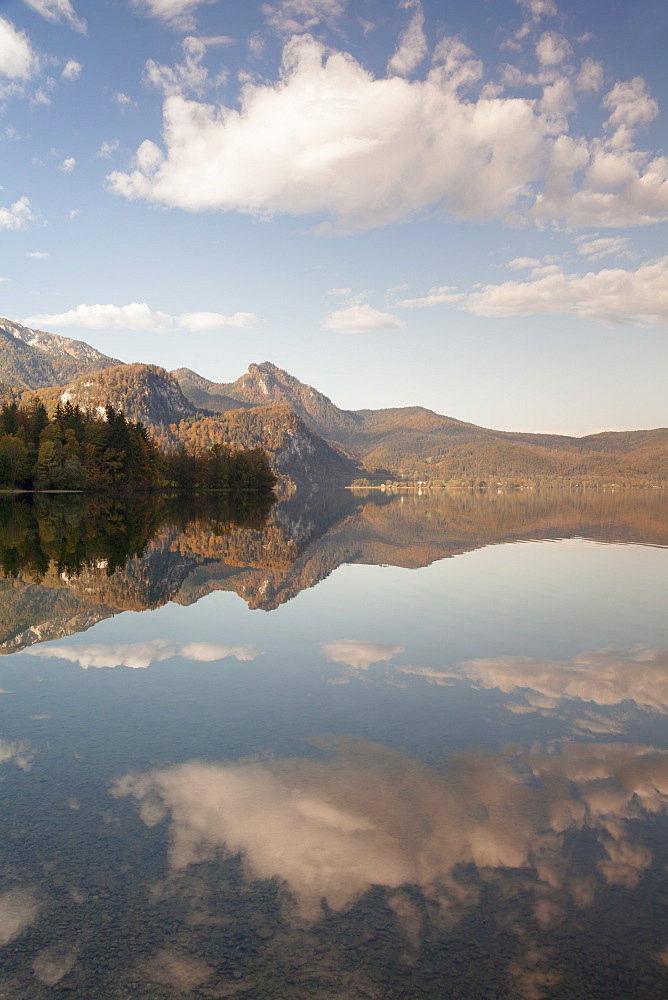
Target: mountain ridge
x,y
35,359
308,437
410,442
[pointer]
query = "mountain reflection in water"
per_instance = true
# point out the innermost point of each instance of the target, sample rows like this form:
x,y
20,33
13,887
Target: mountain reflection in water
x,y
69,562
180,815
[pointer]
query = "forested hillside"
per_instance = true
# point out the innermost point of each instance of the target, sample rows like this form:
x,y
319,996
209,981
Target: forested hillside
x,y
84,450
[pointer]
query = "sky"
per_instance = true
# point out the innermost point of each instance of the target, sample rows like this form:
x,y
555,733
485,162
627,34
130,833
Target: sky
x,y
460,205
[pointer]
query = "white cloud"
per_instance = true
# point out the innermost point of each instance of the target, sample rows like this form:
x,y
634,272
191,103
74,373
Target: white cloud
x,y
612,295
190,75
412,47
71,70
140,655
18,60
107,148
539,8
360,653
17,216
552,49
435,297
68,165
176,14
123,99
38,254
603,246
330,137
521,263
201,321
58,11
139,316
294,16
591,75
360,319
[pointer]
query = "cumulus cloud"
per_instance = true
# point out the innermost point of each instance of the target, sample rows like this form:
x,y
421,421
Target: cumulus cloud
x,y
412,47
329,829
360,653
17,216
58,11
107,148
329,137
603,246
612,295
552,49
140,655
201,321
38,254
191,74
434,297
122,99
294,16
68,165
71,70
360,319
18,60
591,75
139,316
177,14
522,263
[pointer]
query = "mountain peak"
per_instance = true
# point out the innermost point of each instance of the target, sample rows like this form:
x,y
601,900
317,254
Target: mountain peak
x,y
34,359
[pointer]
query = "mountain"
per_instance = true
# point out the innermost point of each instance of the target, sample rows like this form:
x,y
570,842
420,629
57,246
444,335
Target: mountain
x,y
204,394
267,385
413,442
311,440
34,359
150,394
144,392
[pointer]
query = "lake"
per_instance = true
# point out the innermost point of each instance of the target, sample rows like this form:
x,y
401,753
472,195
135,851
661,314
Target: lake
x,y
398,747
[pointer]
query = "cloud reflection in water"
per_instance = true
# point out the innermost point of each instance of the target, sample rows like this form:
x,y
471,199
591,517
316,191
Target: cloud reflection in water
x,y
330,829
140,655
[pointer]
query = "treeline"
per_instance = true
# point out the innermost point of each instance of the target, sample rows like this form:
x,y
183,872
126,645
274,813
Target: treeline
x,y
88,450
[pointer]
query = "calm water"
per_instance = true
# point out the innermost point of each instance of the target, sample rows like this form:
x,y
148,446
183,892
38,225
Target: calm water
x,y
364,747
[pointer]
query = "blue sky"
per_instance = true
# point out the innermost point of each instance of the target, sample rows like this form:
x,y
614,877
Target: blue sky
x,y
461,205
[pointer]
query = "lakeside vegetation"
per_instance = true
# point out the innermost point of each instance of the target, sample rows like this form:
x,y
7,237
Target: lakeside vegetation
x,y
101,451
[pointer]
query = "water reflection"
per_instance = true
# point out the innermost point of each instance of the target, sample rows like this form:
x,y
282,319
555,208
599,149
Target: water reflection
x,y
604,677
71,562
371,816
495,828
140,655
